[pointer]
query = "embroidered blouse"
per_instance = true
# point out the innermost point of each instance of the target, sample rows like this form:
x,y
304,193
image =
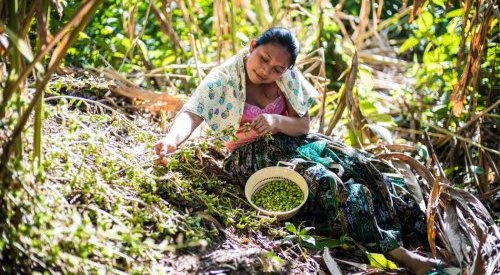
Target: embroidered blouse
x,y
250,112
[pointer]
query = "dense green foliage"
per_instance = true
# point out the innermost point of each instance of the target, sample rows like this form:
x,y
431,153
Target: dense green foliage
x,y
99,210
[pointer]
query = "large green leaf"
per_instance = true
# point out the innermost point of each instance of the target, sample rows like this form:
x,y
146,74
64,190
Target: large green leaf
x,y
439,3
291,227
23,48
424,21
323,242
455,13
308,239
382,119
380,261
408,44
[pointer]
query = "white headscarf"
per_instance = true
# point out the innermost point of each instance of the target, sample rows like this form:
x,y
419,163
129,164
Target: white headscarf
x,y
220,97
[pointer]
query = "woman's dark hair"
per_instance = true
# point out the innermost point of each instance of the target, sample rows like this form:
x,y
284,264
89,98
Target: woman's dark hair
x,y
282,37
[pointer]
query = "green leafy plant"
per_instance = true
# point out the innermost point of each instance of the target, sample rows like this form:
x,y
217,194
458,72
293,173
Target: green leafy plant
x,y
271,262
299,235
380,261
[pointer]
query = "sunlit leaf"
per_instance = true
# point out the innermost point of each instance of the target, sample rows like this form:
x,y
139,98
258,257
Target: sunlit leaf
x,y
408,44
107,30
439,108
291,227
380,261
144,49
332,266
439,3
365,78
323,242
383,119
127,43
478,170
308,239
424,21
455,13
367,108
271,262
242,37
83,35
422,151
305,230
381,132
23,48
118,55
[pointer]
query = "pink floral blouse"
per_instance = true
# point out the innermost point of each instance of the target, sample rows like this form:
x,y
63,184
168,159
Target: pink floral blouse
x,y
250,112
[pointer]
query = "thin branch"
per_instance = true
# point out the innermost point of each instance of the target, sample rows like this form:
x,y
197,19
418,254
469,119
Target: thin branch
x,y
470,141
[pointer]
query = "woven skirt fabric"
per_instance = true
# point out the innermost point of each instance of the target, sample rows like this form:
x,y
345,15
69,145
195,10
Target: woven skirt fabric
x,y
363,203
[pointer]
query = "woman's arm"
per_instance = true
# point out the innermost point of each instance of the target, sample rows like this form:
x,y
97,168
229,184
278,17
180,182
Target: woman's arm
x,y
182,127
291,125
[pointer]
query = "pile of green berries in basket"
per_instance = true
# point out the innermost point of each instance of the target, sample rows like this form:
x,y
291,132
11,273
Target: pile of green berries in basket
x,y
278,196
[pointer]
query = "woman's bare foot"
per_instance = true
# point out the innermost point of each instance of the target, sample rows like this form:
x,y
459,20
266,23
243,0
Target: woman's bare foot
x,y
417,264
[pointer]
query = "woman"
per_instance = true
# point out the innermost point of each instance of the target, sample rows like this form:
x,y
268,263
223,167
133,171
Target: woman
x,y
260,88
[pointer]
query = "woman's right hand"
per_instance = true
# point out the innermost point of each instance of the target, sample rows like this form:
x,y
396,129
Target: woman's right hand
x,y
163,148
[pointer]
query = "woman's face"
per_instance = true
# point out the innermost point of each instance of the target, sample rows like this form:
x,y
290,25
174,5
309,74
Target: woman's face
x,y
266,63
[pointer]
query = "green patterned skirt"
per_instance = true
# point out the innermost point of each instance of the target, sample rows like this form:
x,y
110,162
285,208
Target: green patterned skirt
x,y
362,202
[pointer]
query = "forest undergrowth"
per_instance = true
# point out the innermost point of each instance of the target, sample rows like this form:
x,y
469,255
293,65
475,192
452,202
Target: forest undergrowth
x,y
105,206
84,98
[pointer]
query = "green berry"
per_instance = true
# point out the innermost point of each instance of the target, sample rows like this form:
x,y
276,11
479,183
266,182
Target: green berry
x,y
278,195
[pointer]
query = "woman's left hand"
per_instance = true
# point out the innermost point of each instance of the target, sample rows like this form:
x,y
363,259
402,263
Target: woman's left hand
x,y
264,123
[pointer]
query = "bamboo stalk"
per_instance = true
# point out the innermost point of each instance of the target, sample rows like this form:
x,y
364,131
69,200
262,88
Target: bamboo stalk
x,y
344,98
413,131
26,24
321,129
324,89
262,10
217,28
233,27
138,37
338,113
42,24
275,7
15,57
195,56
364,14
183,66
166,27
399,18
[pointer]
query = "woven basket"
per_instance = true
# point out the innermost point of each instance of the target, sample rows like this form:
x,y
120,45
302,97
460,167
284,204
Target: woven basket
x,y
260,178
